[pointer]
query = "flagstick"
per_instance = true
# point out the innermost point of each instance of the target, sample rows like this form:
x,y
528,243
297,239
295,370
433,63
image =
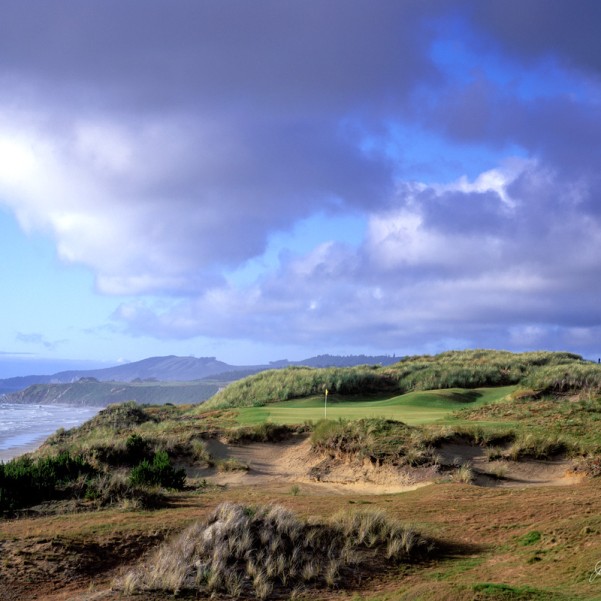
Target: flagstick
x,y
325,405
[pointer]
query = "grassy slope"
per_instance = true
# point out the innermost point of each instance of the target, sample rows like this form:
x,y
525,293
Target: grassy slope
x,y
533,544
420,407
465,369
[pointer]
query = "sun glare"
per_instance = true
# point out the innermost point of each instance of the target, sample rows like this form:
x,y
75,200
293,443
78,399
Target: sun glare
x,y
17,159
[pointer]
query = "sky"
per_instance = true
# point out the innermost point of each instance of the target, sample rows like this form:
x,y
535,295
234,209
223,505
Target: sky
x,y
266,180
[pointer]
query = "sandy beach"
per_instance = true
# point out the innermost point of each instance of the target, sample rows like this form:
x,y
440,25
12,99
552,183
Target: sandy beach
x,y
7,454
23,428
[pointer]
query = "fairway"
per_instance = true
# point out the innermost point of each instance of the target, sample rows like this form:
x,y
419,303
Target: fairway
x,y
422,407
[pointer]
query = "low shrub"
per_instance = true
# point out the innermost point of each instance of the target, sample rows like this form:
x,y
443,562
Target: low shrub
x,y
199,451
537,447
117,489
230,465
25,482
118,451
159,472
137,449
378,440
119,417
464,474
265,432
565,378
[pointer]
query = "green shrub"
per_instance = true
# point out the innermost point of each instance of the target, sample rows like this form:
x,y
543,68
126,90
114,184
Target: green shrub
x,y
137,449
25,482
159,472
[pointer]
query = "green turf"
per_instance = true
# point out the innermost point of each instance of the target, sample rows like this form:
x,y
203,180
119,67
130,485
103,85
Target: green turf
x,y
414,408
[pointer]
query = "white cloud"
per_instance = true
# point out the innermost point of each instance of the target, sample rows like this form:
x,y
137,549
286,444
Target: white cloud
x,y
494,180
415,281
169,156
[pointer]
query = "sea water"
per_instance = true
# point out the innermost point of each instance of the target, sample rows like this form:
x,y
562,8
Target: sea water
x,y
24,427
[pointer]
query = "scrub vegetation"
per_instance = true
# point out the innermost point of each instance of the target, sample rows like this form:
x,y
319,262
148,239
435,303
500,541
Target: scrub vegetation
x,y
463,420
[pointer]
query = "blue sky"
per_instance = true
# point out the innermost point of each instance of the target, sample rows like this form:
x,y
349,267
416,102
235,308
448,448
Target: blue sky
x,y
267,180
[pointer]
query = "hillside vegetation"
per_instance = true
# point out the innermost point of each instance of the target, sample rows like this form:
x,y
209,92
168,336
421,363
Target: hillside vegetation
x,y
479,471
453,369
89,392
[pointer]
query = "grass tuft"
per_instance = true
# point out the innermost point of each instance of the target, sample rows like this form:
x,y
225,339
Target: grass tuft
x,y
268,548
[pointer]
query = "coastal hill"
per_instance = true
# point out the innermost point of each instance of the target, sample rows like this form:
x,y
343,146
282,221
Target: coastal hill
x,y
90,392
471,475
154,380
167,369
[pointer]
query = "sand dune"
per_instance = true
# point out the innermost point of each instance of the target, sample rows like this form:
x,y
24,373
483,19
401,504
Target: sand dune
x,y
294,462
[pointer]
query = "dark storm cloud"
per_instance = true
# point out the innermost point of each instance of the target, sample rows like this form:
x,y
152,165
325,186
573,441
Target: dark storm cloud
x,y
425,273
160,142
563,130
479,213
308,56
201,127
529,29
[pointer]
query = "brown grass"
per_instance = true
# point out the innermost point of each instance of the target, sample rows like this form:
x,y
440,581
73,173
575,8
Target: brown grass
x,y
58,557
254,551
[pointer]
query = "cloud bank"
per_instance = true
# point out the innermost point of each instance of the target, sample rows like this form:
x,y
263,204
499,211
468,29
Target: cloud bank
x,y
163,148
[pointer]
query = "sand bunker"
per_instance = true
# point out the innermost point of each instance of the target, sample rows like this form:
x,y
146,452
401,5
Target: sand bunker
x,y
281,465
293,462
503,473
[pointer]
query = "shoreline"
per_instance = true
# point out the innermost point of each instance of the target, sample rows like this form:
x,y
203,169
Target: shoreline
x,y
21,449
24,428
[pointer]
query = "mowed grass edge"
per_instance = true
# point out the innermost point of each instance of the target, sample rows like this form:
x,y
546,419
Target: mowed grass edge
x,y
414,408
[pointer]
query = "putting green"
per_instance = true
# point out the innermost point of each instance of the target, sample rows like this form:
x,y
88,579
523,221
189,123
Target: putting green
x,y
414,408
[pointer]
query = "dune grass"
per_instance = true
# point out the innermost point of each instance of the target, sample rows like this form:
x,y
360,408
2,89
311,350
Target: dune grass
x,y
241,551
453,369
415,408
267,551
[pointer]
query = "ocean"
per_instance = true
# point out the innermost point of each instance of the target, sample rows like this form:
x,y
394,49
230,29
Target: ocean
x,y
24,427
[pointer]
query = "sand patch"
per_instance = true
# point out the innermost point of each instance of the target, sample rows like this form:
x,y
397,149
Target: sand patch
x,y
294,462
284,464
504,473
